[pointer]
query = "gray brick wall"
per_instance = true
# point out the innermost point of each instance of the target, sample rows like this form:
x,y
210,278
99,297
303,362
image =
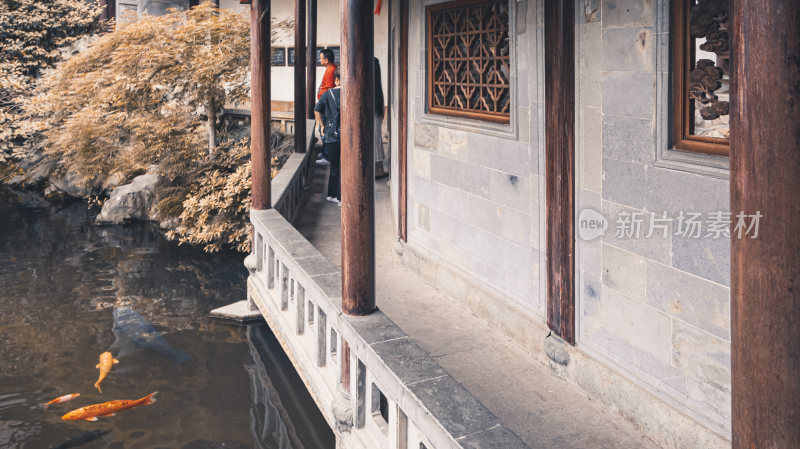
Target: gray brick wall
x,y
475,186
659,308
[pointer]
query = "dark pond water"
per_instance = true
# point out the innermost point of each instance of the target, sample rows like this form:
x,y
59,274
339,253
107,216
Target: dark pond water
x,y
70,290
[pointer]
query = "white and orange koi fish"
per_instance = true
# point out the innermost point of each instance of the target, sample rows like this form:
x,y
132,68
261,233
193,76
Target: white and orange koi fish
x,y
106,362
92,412
60,399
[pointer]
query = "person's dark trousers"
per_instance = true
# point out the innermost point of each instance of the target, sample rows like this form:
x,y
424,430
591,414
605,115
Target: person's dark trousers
x,y
334,180
324,153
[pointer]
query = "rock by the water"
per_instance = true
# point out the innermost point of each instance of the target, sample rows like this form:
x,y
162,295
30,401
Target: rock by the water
x,y
33,171
130,202
70,184
169,223
39,173
112,182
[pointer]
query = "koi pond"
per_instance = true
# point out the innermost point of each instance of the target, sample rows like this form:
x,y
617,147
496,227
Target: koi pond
x,y
70,290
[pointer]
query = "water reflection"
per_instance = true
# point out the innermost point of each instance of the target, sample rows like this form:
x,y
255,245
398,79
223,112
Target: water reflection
x,y
84,438
61,280
284,414
266,424
133,332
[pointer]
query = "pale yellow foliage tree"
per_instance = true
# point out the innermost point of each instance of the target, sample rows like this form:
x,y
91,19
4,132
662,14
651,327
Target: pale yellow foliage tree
x,y
137,98
132,99
33,33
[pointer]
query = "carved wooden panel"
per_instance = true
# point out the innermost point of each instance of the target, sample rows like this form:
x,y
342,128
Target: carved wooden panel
x,y
700,67
468,59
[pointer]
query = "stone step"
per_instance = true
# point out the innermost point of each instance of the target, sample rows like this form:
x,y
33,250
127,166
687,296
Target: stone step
x,y
239,312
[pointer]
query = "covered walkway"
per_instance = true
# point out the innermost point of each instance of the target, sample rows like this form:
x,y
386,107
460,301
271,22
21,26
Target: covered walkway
x,y
545,411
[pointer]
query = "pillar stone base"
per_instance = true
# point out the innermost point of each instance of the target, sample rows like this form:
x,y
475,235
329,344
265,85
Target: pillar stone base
x,y
557,354
342,411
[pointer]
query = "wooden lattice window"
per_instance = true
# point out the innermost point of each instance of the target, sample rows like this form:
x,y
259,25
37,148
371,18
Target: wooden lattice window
x,y
701,76
468,59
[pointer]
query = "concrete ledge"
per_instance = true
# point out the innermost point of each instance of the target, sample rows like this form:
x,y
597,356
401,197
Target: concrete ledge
x,y
285,175
290,186
239,312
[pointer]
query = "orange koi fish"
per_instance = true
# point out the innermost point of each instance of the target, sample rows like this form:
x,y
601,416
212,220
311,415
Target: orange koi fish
x,y
60,399
106,361
91,412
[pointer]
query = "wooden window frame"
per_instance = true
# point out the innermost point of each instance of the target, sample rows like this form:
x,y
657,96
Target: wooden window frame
x,y
497,117
682,57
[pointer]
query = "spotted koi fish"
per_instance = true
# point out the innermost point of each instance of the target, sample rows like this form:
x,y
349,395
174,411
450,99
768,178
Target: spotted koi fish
x,y
92,412
106,362
60,399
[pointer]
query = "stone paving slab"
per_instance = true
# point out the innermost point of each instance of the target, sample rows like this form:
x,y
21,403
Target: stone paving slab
x,y
457,410
495,438
408,360
330,284
375,328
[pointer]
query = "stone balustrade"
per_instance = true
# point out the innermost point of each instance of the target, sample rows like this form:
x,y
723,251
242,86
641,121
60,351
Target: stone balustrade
x,y
291,185
399,396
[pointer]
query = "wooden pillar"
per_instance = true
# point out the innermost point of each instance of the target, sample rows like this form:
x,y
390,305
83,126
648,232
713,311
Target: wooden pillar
x,y
260,112
300,76
765,179
311,58
109,9
358,158
402,122
390,75
559,62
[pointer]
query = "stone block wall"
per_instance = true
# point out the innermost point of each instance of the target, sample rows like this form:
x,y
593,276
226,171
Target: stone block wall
x,y
654,309
657,308
474,187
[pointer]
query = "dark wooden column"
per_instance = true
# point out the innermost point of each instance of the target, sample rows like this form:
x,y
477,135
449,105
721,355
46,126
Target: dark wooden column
x,y
260,111
311,58
300,76
109,9
390,94
765,178
104,4
358,158
402,122
559,50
